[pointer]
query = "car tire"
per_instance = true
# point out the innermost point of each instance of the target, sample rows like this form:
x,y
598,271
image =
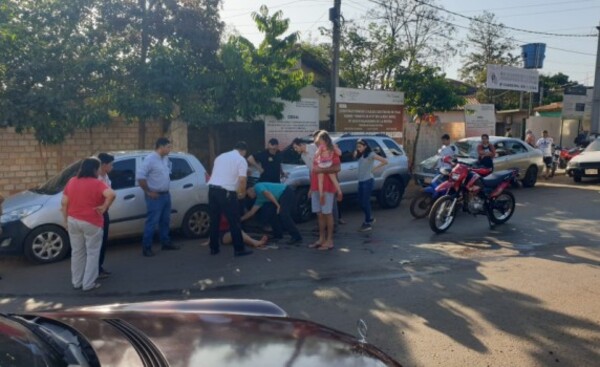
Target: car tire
x,y
576,177
530,178
47,244
391,193
196,222
302,210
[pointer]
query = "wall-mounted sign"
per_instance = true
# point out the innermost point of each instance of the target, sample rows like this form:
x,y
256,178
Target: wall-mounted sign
x,y
299,120
512,78
480,119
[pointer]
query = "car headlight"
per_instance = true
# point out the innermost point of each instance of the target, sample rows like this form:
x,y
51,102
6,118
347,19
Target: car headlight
x,y
18,214
572,164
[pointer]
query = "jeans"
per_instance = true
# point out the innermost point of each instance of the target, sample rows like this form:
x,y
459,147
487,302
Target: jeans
x,y
104,241
159,212
365,188
86,240
226,202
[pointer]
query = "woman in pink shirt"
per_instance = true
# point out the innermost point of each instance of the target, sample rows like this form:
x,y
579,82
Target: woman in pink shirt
x,y
84,201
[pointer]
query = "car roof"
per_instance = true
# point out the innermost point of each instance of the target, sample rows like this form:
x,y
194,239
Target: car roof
x,y
136,153
493,138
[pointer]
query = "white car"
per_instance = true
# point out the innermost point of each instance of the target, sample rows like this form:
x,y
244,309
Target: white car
x,y
32,223
586,163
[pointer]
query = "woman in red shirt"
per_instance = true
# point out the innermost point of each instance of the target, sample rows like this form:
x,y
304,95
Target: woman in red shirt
x,y
84,201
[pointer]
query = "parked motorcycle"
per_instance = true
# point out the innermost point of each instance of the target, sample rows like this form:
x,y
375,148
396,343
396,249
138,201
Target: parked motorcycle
x,y
566,154
475,194
422,203
555,159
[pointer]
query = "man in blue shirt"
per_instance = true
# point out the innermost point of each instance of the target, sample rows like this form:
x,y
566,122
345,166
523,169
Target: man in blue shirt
x,y
154,178
282,197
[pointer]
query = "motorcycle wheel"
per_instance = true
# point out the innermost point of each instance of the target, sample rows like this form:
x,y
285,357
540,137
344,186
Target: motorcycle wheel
x,y
420,206
440,216
502,208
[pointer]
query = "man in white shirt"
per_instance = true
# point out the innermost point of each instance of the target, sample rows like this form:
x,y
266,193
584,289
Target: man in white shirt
x,y
226,186
545,145
446,152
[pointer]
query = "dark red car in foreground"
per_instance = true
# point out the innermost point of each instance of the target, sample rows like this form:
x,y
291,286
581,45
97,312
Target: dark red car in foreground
x,y
209,333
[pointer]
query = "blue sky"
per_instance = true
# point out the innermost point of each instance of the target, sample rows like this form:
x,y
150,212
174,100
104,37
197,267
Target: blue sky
x,y
572,56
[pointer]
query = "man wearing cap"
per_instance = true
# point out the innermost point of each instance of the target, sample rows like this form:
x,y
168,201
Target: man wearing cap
x,y
268,162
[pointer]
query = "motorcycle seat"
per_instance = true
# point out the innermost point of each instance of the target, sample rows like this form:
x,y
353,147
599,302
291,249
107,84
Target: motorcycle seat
x,y
495,178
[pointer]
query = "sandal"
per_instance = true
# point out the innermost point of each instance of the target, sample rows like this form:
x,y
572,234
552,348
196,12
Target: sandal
x,y
314,245
94,286
325,248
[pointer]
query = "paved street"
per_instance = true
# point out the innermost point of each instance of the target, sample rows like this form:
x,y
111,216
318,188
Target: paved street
x,y
526,293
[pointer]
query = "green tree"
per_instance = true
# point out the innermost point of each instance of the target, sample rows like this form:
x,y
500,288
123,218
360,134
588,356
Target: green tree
x,y
255,77
426,91
553,87
490,44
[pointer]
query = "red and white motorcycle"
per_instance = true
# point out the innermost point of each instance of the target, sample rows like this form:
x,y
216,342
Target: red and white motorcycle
x,y
466,188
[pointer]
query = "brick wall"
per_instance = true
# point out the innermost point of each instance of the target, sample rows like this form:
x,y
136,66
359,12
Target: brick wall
x,y
25,164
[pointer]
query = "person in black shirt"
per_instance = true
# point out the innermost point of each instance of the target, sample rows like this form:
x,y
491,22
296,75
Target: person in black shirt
x,y
268,162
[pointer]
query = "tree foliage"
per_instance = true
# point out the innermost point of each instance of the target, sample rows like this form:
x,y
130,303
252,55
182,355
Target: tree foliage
x,y
489,44
254,77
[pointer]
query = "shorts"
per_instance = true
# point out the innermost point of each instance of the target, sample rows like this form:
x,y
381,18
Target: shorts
x,y
548,161
326,208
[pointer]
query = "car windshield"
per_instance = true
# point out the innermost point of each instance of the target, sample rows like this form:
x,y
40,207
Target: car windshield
x,y
57,183
465,149
594,146
21,347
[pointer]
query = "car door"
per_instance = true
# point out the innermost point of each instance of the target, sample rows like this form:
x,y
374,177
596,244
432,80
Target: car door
x,y
501,162
128,211
520,157
348,176
184,188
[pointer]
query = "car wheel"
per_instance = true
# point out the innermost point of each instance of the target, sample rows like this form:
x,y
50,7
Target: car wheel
x,y
391,193
302,210
47,244
576,177
196,222
530,177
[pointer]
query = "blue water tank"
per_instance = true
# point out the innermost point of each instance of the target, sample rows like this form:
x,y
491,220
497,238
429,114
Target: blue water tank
x,y
533,55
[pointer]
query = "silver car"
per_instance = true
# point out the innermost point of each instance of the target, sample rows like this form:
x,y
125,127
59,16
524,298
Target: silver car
x,y
390,181
510,153
32,222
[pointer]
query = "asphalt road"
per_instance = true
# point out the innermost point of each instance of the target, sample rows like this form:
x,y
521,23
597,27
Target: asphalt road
x,y
526,293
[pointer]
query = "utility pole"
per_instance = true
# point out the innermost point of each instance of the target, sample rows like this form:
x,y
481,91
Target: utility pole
x,y
595,128
335,18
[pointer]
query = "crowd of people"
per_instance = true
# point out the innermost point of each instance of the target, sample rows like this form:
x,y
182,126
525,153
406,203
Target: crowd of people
x,y
88,196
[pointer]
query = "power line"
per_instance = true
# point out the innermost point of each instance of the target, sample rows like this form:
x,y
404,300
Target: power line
x,y
570,2
498,25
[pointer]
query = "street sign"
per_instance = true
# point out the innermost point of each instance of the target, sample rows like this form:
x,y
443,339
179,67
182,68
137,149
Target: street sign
x,y
512,78
480,119
300,119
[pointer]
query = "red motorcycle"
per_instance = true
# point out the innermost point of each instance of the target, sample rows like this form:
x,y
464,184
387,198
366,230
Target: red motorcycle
x,y
566,154
468,189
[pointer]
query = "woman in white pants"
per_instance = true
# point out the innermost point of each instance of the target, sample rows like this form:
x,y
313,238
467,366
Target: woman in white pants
x,y
84,201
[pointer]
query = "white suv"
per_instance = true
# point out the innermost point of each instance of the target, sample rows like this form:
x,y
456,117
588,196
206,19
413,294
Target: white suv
x,y
32,223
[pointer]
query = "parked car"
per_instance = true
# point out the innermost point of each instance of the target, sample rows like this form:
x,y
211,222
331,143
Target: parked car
x,y
390,181
586,163
214,333
510,153
33,225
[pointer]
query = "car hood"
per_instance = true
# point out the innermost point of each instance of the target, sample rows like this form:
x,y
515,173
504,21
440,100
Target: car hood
x,y
586,157
24,199
429,165
213,338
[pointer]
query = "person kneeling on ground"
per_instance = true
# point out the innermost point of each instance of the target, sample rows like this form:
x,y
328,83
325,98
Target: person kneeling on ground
x,y
282,197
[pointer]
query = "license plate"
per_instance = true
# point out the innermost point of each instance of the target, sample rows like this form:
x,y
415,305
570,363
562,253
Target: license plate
x,y
591,171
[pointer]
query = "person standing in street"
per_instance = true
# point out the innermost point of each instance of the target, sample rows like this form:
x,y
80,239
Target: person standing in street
x,y
154,178
282,197
268,162
446,152
486,152
366,159
508,133
84,201
530,138
226,186
106,162
545,145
